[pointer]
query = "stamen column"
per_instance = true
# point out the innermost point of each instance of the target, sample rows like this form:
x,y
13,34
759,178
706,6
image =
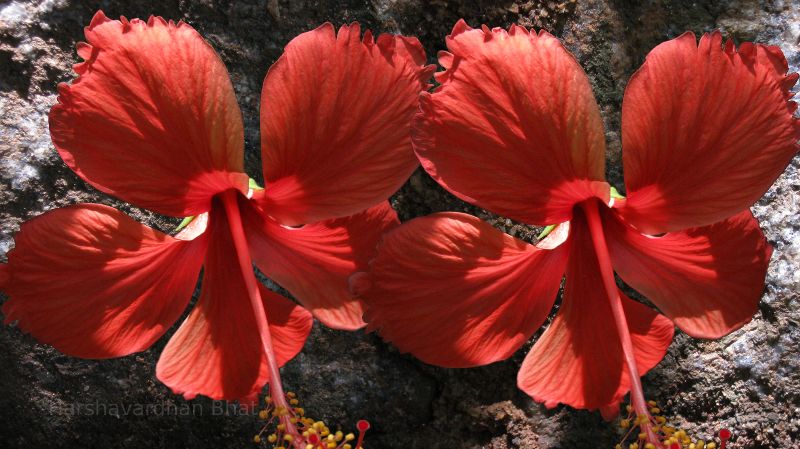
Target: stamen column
x,y
245,263
610,285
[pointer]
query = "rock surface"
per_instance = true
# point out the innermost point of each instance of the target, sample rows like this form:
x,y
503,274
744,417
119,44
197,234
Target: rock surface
x,y
748,381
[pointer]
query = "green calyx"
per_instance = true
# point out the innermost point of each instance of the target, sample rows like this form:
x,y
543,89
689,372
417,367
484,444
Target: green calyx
x,y
254,185
615,194
184,223
546,231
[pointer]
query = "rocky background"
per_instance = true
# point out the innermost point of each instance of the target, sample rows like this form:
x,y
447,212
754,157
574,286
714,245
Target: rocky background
x,y
748,382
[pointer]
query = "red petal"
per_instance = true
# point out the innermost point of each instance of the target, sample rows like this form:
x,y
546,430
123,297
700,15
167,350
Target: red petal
x,y
610,412
152,117
217,351
514,127
705,131
94,283
456,292
314,262
5,276
578,360
289,324
708,280
335,121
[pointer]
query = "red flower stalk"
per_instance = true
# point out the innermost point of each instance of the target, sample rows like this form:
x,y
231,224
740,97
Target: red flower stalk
x,y
152,119
514,129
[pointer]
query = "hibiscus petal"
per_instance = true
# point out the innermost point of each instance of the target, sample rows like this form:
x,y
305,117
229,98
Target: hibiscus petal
x,y
314,262
705,130
456,292
335,121
94,283
514,127
217,351
5,276
578,360
152,118
708,280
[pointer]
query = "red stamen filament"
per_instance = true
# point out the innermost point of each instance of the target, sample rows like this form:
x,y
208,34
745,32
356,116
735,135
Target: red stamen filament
x,y
279,402
610,285
229,199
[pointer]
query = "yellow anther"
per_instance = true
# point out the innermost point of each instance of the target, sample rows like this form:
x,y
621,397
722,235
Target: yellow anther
x,y
257,439
655,410
652,403
642,436
619,446
661,419
649,446
711,445
625,423
305,428
634,446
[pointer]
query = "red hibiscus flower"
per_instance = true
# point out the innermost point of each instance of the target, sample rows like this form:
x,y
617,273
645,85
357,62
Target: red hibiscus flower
x,y
514,129
152,119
